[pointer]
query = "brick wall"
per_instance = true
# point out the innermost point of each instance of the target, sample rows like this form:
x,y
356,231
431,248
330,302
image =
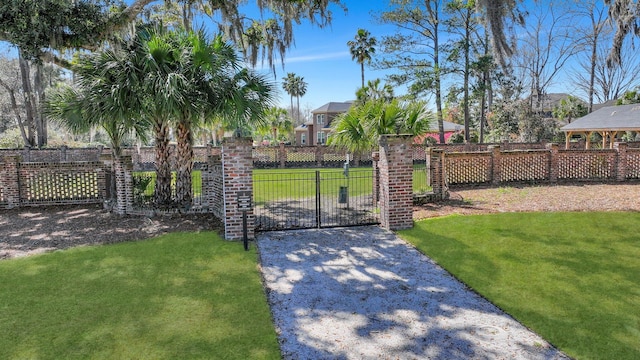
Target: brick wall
x,y
9,170
632,162
57,183
396,189
123,169
212,186
50,155
550,165
62,183
237,167
305,157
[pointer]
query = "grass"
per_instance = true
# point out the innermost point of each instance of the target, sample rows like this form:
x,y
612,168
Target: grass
x,y
276,184
150,180
574,278
179,296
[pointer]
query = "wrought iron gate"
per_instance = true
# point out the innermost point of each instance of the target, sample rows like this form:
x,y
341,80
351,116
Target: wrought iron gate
x,y
300,198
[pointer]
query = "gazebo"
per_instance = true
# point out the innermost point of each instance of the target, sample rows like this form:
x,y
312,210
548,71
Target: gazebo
x,y
607,121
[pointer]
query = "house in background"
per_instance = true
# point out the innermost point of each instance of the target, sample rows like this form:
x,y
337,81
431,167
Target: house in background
x,y
434,132
315,132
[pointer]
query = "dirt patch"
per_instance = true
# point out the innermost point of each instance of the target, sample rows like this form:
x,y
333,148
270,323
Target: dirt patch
x,y
574,197
28,231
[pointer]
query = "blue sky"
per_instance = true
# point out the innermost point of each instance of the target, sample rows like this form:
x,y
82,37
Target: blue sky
x,y
322,56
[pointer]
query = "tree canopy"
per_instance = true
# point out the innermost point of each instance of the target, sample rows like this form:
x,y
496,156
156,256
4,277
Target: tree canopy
x,y
44,29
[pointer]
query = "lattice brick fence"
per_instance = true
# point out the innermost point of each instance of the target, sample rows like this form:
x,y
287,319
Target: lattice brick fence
x,y
468,168
300,156
535,166
524,166
633,164
587,165
62,183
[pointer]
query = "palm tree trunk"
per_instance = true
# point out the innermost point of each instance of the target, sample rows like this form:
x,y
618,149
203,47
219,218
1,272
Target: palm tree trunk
x,y
292,106
162,192
26,85
184,194
41,120
298,108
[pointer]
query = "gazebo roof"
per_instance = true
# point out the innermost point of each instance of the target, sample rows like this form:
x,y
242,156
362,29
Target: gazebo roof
x,y
610,118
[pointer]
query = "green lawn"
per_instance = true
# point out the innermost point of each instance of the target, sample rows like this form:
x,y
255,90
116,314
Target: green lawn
x,y
148,178
574,278
179,296
275,184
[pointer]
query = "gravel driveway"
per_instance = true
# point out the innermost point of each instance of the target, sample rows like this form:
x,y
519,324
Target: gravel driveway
x,y
363,293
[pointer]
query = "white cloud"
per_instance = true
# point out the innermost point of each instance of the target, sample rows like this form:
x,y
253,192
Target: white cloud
x,y
322,56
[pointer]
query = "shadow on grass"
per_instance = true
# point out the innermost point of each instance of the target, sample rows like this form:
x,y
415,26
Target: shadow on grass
x,y
571,277
178,296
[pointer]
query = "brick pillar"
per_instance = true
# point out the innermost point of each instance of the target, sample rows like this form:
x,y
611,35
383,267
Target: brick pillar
x,y
237,165
63,153
375,157
435,166
319,156
282,155
396,182
212,184
621,149
109,180
124,184
10,175
496,164
136,158
26,154
553,162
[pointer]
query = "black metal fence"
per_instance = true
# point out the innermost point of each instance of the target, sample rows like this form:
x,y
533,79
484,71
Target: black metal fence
x,y
298,199
144,188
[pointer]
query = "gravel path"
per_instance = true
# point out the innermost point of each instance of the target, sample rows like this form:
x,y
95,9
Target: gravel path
x,y
363,293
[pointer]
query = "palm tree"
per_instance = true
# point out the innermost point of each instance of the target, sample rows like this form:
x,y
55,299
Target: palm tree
x,y
361,48
106,95
570,108
296,87
277,121
373,91
166,78
350,133
206,83
300,89
288,85
359,129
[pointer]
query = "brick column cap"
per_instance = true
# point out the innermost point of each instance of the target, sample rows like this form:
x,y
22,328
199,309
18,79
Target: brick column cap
x,y
12,158
389,139
237,140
